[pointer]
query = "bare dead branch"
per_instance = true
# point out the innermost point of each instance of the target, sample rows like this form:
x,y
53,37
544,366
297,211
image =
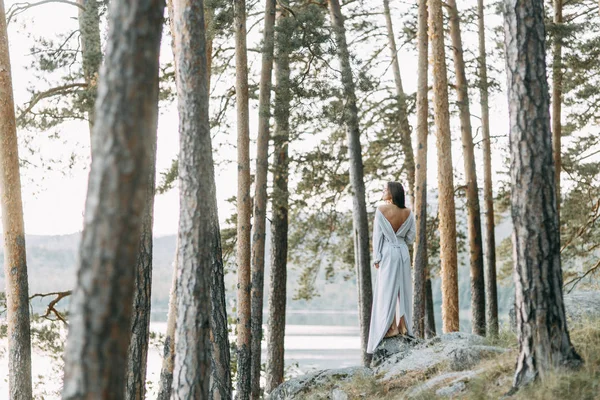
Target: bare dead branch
x,y
18,8
51,306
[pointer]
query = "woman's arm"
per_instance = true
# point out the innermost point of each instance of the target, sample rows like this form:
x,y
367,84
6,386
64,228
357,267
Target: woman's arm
x,y
412,231
377,241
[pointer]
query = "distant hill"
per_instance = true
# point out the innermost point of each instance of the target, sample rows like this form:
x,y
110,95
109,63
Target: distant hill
x,y
52,264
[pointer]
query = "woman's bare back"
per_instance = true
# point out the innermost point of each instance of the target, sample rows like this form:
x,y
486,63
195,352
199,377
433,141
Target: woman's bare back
x,y
394,214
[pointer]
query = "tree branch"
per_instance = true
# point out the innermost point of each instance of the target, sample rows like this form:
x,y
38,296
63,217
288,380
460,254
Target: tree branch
x,y
51,306
19,8
49,93
575,281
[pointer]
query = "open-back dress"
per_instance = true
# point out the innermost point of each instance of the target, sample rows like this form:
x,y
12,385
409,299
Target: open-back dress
x,y
393,289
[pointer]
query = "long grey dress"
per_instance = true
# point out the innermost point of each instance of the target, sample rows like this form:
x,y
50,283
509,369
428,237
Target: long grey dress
x,y
393,289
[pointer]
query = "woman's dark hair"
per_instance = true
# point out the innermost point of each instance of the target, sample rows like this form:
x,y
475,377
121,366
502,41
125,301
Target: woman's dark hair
x,y
397,191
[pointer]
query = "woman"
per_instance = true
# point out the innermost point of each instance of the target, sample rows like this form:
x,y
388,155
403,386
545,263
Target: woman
x,y
393,231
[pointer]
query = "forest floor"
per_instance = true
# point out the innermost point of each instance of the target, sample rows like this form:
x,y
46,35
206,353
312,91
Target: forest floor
x,y
491,378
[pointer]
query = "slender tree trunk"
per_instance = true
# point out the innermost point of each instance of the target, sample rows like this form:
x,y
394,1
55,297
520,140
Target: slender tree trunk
x,y
260,197
15,260
165,382
544,342
491,300
429,313
279,224
220,387
474,213
244,204
447,225
420,205
135,388
199,254
359,209
127,112
557,78
91,53
403,125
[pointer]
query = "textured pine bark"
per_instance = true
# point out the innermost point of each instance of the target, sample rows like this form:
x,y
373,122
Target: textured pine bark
x,y
13,229
544,342
244,204
420,205
280,195
474,213
91,52
359,209
557,78
429,314
260,196
126,118
447,216
135,388
165,382
491,300
199,254
403,125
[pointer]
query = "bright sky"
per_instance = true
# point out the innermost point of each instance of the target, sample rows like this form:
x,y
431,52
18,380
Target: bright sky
x,y
54,201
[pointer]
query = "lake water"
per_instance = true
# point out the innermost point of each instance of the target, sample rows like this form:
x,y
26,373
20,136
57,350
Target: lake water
x,y
334,343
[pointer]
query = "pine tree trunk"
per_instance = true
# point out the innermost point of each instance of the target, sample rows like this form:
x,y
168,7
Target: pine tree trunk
x,y
199,254
280,195
403,125
557,78
244,205
91,53
165,382
491,300
15,259
429,313
260,196
359,210
126,120
447,216
135,388
544,342
474,213
420,205
220,384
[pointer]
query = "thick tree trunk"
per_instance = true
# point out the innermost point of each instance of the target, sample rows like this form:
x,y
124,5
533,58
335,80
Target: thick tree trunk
x,y
279,224
557,78
260,196
91,53
244,204
199,254
165,382
420,190
447,213
491,300
403,125
429,313
126,119
135,388
474,213
544,342
15,260
359,210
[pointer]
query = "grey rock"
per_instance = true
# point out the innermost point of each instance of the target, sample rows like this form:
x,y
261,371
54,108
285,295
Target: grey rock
x,y
295,388
389,347
579,306
460,350
337,394
451,390
451,379
463,358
